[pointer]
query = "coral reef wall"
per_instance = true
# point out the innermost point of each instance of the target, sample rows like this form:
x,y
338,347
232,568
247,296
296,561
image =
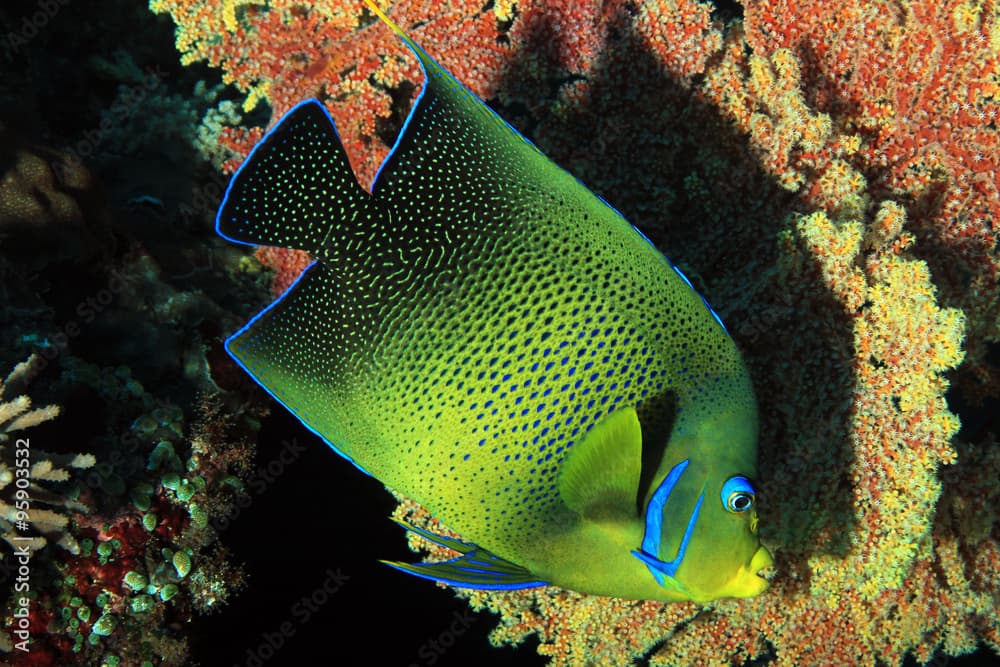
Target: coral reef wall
x,y
827,174
126,433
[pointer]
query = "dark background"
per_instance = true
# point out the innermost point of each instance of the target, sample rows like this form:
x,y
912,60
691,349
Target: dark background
x,y
321,514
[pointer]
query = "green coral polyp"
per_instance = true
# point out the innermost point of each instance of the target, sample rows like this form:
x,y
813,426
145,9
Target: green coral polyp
x,y
142,603
142,496
105,625
104,553
199,517
144,424
234,482
135,580
171,481
185,491
164,456
182,563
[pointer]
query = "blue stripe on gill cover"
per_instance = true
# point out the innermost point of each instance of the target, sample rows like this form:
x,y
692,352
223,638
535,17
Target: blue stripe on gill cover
x,y
649,553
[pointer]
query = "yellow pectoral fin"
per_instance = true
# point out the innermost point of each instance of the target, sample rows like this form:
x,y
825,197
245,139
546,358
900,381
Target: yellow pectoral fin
x,y
600,476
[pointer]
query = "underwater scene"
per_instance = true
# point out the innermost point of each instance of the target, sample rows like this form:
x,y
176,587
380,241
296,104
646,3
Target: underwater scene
x,y
567,333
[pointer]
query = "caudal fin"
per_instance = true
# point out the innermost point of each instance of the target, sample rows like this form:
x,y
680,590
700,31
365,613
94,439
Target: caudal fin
x,y
294,187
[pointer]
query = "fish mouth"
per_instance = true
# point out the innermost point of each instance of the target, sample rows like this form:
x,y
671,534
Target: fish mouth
x,y
762,564
752,578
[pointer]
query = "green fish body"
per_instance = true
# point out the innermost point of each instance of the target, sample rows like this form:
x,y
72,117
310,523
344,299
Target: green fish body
x,y
486,336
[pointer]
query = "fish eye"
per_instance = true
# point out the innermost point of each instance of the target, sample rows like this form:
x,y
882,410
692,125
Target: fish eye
x,y
739,502
738,494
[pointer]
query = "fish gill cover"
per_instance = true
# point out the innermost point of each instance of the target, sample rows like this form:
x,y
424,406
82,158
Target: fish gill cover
x,y
827,173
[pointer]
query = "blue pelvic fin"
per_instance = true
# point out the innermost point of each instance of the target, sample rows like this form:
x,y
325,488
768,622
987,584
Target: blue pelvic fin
x,y
475,568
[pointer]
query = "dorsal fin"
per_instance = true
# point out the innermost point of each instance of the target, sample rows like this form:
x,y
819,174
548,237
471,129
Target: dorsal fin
x,y
600,477
294,186
473,155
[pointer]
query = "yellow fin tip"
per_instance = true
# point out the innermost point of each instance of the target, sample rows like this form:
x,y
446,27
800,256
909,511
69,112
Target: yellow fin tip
x,y
385,19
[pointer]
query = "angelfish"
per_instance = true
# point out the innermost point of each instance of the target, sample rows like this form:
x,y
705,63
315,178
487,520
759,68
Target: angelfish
x,y
488,337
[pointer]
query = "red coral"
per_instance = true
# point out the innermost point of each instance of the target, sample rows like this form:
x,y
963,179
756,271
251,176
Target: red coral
x,y
919,83
287,264
91,576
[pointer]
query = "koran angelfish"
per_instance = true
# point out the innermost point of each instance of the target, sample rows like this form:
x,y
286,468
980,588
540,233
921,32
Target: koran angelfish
x,y
488,337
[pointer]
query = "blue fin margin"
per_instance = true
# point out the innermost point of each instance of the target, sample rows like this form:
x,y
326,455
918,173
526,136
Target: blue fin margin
x,y
475,568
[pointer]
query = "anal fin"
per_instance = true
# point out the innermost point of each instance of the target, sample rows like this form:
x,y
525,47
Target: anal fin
x,y
475,568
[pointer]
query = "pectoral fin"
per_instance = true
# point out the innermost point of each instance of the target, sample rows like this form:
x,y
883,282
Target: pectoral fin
x,y
601,475
475,568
